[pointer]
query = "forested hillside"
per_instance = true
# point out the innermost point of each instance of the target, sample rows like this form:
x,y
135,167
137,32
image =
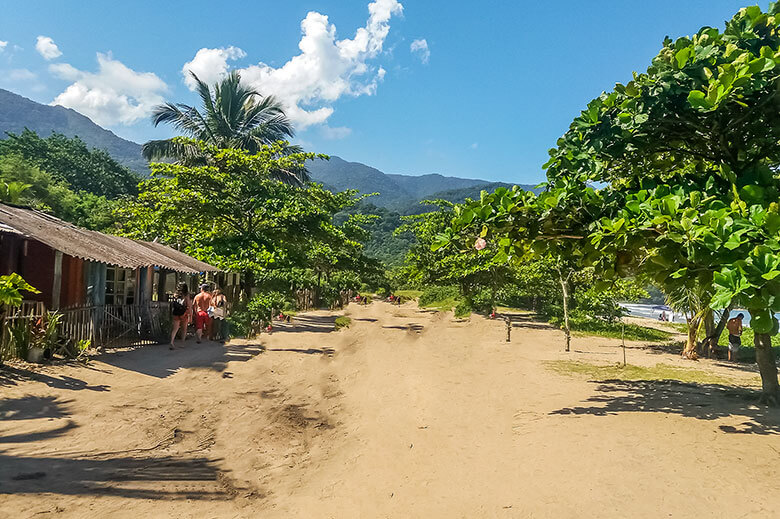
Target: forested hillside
x,y
18,113
398,193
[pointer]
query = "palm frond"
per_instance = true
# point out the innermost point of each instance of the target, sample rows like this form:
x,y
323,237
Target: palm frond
x,y
182,153
182,117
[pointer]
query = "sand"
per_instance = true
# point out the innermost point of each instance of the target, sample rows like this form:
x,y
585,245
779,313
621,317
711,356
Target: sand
x,y
406,413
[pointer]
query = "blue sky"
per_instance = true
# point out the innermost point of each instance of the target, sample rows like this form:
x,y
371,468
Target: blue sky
x,y
471,89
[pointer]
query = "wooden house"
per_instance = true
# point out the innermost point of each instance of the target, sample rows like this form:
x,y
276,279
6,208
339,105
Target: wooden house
x,y
92,272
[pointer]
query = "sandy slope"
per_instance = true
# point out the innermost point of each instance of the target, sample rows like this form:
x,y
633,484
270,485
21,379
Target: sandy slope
x,y
405,414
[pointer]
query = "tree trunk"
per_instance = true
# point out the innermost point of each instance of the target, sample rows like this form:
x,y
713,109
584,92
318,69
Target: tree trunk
x,y
318,297
565,292
709,332
711,343
765,358
689,352
247,284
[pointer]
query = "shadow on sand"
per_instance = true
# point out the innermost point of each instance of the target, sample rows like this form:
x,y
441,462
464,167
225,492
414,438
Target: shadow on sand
x,y
158,361
309,351
308,323
128,477
526,320
32,407
701,401
12,376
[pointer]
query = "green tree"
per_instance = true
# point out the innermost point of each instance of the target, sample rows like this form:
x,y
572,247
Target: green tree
x,y
70,160
54,196
477,273
233,116
13,192
692,145
523,227
233,213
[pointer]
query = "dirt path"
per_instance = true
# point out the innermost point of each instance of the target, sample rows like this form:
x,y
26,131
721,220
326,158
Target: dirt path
x,y
405,414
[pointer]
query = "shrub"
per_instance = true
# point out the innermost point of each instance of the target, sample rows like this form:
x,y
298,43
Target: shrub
x,y
433,295
463,309
259,309
342,322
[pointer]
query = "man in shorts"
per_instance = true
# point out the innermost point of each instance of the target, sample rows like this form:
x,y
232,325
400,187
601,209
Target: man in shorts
x,y
734,327
201,306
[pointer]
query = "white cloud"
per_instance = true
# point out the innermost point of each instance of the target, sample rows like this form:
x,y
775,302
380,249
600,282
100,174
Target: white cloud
x,y
21,74
3,45
47,48
325,70
420,48
115,94
210,65
334,133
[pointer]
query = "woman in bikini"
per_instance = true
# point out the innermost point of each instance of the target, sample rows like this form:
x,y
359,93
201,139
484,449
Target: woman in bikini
x,y
181,309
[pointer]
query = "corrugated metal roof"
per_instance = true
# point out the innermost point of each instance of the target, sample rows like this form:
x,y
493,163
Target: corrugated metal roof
x,y
96,246
179,256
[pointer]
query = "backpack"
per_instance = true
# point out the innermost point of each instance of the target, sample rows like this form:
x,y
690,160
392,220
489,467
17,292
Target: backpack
x,y
178,307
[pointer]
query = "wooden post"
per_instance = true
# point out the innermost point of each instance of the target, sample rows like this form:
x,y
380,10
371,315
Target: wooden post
x,y
623,339
508,328
57,283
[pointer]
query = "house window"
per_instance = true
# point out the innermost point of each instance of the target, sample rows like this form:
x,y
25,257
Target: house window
x,y
120,286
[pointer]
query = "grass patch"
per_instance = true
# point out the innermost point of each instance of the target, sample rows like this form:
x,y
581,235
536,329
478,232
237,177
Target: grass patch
x,y
342,322
443,305
614,330
408,294
680,327
631,372
747,353
440,298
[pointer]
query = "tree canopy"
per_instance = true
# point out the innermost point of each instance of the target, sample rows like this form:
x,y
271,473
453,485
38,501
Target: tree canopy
x,y
235,214
687,155
69,160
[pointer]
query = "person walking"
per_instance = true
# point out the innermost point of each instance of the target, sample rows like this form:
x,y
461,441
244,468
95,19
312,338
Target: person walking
x,y
202,319
734,326
181,309
219,316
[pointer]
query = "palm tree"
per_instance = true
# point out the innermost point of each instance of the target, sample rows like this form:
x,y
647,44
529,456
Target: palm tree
x,y
233,116
13,192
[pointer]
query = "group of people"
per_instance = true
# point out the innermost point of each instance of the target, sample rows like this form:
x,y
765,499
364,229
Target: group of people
x,y
393,299
208,310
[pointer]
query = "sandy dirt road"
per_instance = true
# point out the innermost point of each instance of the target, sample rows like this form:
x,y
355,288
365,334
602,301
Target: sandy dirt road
x,y
407,413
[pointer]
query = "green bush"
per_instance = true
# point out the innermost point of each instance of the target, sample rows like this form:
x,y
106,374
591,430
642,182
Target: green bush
x,y
342,322
260,309
463,309
436,296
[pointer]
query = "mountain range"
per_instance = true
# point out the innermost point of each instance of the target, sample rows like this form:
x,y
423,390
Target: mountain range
x,y
399,193
18,113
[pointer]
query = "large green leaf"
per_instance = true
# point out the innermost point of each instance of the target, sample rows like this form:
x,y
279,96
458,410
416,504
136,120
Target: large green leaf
x,y
762,321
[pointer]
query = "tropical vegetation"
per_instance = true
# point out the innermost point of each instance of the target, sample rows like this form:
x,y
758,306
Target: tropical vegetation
x,y
687,154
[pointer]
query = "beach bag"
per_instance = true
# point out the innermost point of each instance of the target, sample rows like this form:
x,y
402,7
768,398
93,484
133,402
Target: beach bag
x,y
178,307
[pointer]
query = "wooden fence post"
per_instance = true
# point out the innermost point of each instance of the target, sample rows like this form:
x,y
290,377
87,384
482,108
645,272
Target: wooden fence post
x,y
57,283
